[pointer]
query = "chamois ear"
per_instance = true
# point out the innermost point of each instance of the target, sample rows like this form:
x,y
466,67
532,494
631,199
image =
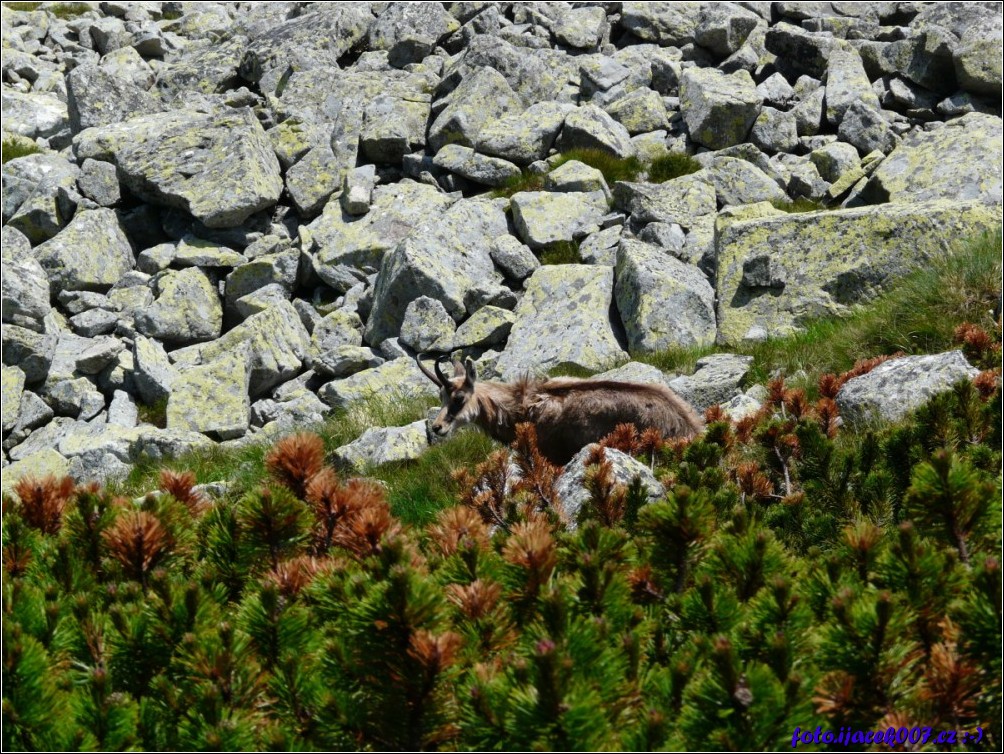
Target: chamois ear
x,y
472,373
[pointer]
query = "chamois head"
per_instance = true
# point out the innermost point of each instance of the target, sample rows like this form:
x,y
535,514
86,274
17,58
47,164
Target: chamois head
x,y
457,393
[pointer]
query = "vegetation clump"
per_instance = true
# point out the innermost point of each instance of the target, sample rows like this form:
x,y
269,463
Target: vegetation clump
x,y
14,147
670,166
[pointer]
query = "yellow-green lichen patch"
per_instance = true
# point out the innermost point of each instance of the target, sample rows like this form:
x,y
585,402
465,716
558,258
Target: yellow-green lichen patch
x,y
213,398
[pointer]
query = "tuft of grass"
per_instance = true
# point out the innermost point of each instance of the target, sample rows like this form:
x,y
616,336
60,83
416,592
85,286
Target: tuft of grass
x,y
801,204
14,147
566,369
525,181
26,7
613,168
561,252
154,413
670,166
918,314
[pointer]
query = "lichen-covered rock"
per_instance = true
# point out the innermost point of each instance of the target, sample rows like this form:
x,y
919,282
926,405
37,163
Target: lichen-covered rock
x,y
639,111
635,371
399,378
589,127
99,182
29,350
719,109
13,387
717,379
271,269
576,176
379,445
357,196
523,137
153,373
187,309
543,218
401,22
341,361
219,167
338,328
442,260
192,251
25,290
681,200
514,259
122,411
846,83
465,162
571,487
278,345
775,131
78,398
212,398
393,127
834,160
666,24
724,27
44,462
488,326
314,178
339,239
564,318
480,99
740,182
101,353
95,97
959,161
894,388
802,51
663,302
34,114
427,326
91,253
866,128
833,259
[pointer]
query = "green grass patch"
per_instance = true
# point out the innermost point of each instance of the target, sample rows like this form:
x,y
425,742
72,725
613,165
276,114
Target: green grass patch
x,y
561,252
153,413
670,166
916,315
525,181
25,7
613,168
566,369
801,204
15,146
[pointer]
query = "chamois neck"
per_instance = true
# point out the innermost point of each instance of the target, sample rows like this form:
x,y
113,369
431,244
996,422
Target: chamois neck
x,y
498,410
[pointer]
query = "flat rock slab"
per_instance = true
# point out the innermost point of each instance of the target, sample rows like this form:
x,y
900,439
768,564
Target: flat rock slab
x,y
571,486
777,273
960,161
896,387
221,168
543,217
564,318
379,445
400,378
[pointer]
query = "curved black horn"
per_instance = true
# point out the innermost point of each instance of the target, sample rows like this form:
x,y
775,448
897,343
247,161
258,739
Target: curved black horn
x,y
439,371
426,372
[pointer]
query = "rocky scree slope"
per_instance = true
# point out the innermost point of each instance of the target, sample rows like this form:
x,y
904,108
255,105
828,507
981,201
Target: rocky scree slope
x,y
248,215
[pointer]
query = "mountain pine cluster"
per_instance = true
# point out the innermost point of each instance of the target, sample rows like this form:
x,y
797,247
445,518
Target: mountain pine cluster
x,y
795,575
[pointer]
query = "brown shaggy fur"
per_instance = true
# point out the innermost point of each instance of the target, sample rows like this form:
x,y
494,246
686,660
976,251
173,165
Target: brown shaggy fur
x,y
568,414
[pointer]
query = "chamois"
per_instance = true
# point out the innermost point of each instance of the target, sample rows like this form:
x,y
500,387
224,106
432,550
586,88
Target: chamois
x,y
568,414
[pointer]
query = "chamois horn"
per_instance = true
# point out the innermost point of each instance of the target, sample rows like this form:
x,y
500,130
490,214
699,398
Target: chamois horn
x,y
425,370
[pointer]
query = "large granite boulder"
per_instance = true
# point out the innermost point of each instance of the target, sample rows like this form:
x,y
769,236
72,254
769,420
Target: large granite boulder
x,y
526,136
219,167
379,445
564,318
574,495
896,387
682,200
212,398
443,260
777,273
543,217
343,242
90,254
716,379
96,97
663,302
25,291
666,24
187,309
719,109
960,161
481,99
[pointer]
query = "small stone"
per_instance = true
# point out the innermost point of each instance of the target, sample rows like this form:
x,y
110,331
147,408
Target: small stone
x,y
427,326
379,445
96,357
99,182
514,259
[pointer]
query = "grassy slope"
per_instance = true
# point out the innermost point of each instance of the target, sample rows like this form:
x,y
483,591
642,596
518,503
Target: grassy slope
x,y
917,315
